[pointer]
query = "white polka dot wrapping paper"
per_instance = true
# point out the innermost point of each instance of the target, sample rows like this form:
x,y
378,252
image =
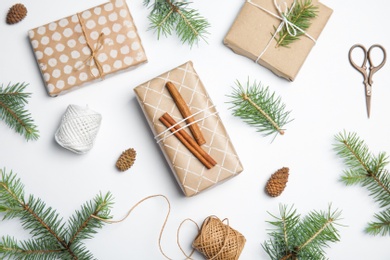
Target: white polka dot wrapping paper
x,y
192,176
87,46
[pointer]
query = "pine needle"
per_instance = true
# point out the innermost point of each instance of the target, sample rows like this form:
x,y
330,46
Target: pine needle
x,y
369,171
300,15
167,16
13,113
258,107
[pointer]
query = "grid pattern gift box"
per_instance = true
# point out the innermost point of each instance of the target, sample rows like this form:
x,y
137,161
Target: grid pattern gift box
x,y
86,46
155,100
252,35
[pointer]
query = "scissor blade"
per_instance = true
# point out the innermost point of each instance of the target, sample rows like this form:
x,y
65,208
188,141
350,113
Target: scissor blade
x,y
368,105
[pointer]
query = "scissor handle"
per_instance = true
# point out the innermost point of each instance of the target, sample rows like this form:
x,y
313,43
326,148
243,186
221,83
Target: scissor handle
x,y
374,69
363,68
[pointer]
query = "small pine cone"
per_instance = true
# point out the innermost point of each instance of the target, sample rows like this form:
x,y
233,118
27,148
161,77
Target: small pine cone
x,y
126,160
16,13
277,182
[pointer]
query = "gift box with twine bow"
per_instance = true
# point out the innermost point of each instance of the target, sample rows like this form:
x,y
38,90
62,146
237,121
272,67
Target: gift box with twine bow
x,y
86,46
252,35
155,100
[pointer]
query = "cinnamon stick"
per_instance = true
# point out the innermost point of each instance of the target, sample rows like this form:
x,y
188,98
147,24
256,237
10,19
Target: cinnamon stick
x,y
185,112
188,142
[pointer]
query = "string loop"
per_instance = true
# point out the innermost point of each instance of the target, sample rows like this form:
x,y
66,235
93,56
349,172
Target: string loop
x,y
110,221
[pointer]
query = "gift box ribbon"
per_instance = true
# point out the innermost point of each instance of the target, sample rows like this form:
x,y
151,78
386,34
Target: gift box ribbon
x,y
94,51
164,134
283,16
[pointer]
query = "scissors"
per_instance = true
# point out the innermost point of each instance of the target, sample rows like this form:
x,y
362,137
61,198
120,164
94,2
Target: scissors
x,y
363,69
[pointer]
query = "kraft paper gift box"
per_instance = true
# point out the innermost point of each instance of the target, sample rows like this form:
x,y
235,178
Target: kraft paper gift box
x,y
155,100
86,46
253,29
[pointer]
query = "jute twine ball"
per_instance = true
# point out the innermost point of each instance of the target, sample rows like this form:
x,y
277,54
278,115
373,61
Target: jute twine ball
x,y
218,241
78,129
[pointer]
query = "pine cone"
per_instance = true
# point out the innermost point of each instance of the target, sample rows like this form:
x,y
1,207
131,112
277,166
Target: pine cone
x,y
16,13
277,182
126,160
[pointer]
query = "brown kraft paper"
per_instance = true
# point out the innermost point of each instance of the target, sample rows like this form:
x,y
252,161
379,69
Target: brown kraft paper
x,y
64,48
155,100
253,29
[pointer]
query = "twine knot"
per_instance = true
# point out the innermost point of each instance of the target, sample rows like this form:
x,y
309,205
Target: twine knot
x,y
218,241
290,27
93,56
94,51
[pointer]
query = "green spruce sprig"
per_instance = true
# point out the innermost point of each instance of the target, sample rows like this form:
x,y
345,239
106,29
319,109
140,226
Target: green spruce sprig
x,y
294,237
172,15
300,15
13,113
369,171
51,238
258,107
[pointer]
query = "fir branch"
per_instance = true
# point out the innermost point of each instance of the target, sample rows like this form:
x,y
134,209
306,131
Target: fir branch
x,y
282,235
318,228
83,225
51,239
167,15
354,152
13,113
260,108
294,238
368,171
382,224
42,222
31,249
300,15
364,168
14,93
379,186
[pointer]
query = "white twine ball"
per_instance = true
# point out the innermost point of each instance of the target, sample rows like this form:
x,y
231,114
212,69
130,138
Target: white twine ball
x,y
78,129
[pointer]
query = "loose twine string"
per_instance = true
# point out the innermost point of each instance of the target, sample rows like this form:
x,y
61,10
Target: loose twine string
x,y
98,46
165,136
283,16
216,240
162,227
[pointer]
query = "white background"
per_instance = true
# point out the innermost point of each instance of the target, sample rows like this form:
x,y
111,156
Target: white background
x,y
326,98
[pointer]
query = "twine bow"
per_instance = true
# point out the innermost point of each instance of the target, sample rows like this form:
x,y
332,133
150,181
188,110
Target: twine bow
x,y
290,27
283,16
94,51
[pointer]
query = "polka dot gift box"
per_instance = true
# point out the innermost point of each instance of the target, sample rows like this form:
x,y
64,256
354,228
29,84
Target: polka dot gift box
x,y
87,46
